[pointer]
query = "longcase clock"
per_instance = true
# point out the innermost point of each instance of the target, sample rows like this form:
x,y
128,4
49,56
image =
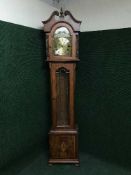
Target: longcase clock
x,y
62,33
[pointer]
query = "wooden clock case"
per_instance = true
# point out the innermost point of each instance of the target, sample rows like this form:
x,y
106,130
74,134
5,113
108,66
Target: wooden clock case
x,y
63,135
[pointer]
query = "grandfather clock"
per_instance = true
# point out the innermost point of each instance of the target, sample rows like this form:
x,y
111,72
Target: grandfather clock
x,y
62,32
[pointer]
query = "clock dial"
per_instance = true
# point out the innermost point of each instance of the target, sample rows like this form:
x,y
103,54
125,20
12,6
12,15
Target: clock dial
x,y
62,42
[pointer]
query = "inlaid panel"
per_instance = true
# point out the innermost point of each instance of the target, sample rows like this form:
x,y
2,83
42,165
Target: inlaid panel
x,y
63,146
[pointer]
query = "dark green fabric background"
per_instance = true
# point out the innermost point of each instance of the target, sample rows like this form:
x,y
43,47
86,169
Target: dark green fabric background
x,y
103,93
24,97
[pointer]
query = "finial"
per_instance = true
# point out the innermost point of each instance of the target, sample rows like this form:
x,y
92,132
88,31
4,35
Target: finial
x,y
61,13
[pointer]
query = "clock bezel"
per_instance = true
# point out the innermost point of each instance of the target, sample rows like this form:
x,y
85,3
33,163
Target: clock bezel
x,y
51,56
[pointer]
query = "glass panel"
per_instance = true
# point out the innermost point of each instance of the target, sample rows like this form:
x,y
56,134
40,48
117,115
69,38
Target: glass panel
x,y
62,76
62,42
47,46
77,45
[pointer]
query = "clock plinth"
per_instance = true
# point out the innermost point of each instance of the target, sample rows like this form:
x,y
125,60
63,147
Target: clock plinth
x,y
62,55
63,146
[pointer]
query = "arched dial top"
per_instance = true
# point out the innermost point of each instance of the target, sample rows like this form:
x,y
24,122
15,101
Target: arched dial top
x,y
62,37
62,42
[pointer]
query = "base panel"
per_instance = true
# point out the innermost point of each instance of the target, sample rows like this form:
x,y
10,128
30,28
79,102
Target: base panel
x,y
63,147
61,161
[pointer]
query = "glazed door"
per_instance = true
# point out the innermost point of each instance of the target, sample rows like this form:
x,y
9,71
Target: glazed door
x,y
62,83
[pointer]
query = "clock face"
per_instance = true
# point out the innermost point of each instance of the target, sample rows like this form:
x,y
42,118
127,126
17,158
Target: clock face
x,y
62,42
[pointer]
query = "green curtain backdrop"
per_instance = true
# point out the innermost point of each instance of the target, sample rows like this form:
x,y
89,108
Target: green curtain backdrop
x,y
24,98
103,93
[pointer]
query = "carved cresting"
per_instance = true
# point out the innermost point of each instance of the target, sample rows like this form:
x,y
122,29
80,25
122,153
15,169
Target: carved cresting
x,y
62,33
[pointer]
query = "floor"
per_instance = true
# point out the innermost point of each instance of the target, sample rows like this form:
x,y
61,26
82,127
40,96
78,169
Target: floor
x,y
37,165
